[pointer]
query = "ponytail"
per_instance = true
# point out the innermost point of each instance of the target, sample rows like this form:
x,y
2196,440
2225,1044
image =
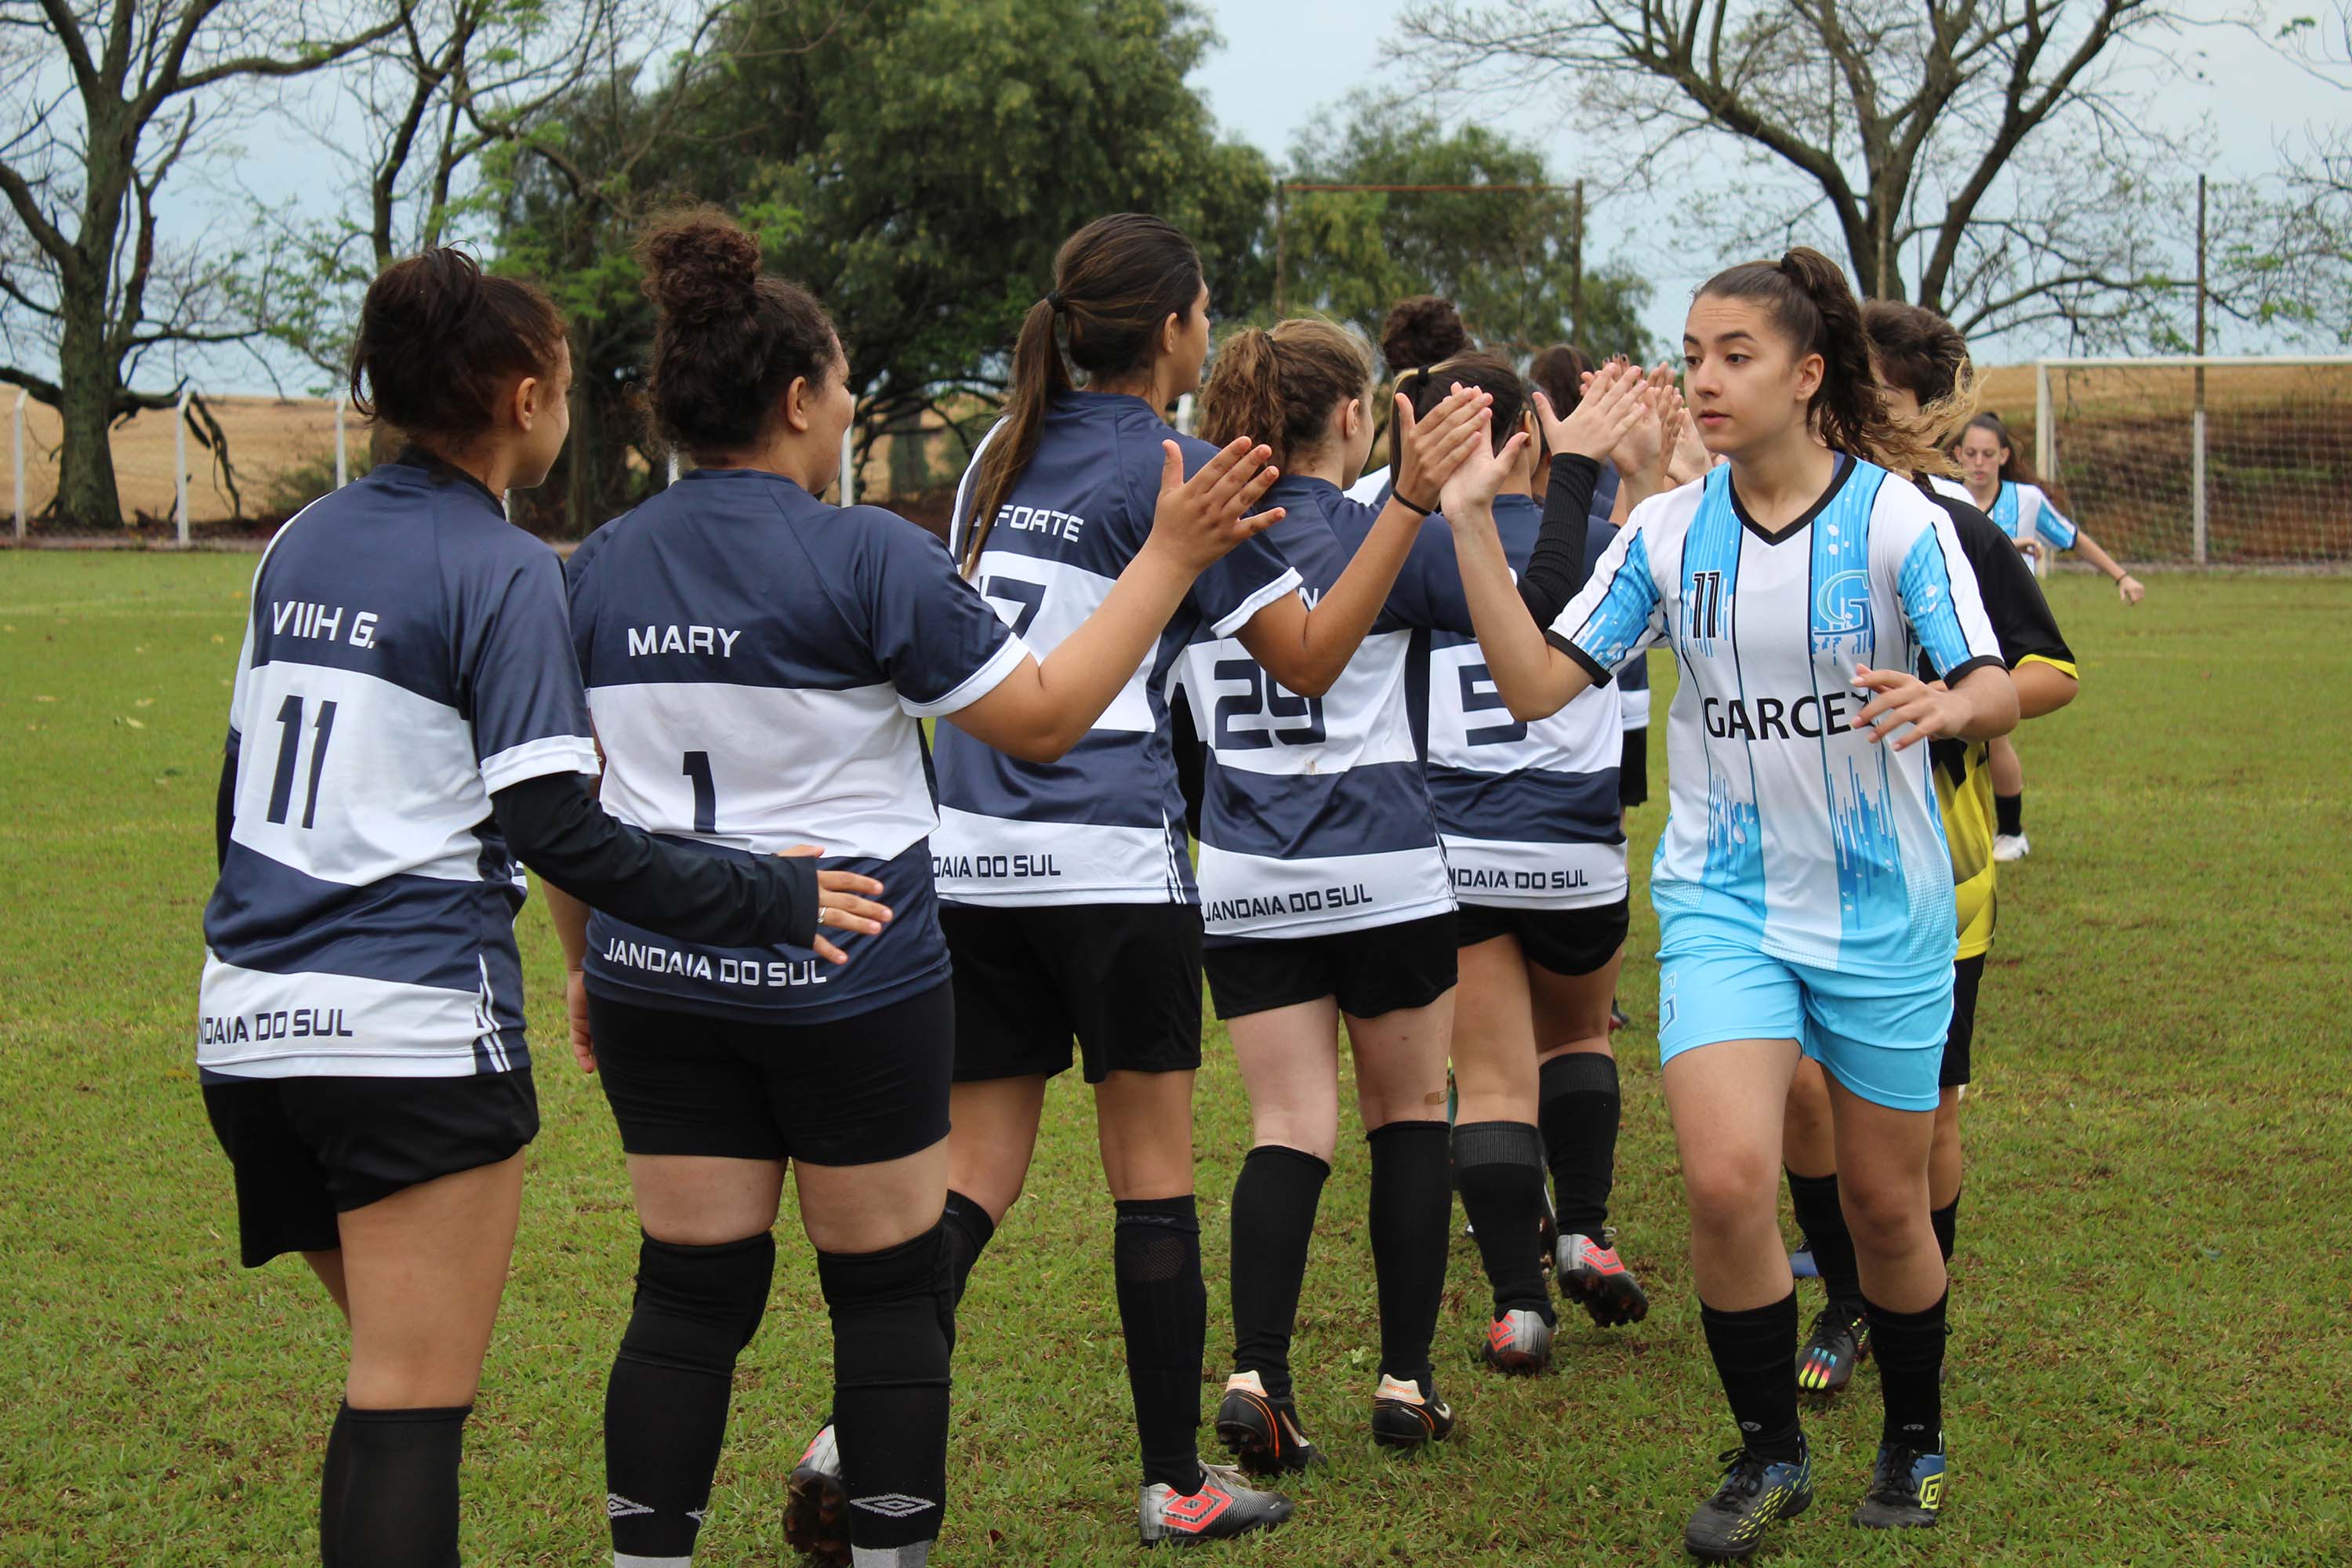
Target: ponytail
x,y
1818,313
1281,387
1116,281
439,341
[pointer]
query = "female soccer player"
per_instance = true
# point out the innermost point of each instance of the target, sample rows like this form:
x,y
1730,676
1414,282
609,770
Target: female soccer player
x,y
407,725
757,664
1802,888
1922,366
2002,485
1418,332
1066,888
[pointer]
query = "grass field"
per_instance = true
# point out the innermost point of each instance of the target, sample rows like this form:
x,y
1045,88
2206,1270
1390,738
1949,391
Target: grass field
x,y
2149,1364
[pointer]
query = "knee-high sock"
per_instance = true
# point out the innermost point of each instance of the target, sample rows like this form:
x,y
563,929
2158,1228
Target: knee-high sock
x,y
1910,1351
1815,1201
1274,1199
400,1487
1500,1166
1163,1307
1412,1206
666,1402
890,1392
1578,1107
331,1491
1946,1221
1755,1354
968,1229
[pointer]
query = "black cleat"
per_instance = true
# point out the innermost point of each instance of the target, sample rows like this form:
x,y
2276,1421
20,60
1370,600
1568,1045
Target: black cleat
x,y
1261,1431
1755,1494
1906,1490
1406,1417
1839,1342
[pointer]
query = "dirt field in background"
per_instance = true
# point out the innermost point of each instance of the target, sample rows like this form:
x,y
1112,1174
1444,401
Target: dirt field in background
x,y
268,438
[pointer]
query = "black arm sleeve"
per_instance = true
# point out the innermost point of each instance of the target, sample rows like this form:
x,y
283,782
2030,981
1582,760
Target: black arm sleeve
x,y
1557,568
225,803
555,826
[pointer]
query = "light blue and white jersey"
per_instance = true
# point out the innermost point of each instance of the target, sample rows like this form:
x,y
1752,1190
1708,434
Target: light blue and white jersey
x,y
1528,811
758,663
2025,513
1314,814
1787,828
1106,824
406,658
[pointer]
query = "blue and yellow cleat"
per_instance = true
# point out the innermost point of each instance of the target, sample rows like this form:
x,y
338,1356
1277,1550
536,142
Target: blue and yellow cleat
x,y
1906,1490
1755,1494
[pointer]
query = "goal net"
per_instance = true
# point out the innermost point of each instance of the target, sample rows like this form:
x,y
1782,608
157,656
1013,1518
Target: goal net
x,y
2226,460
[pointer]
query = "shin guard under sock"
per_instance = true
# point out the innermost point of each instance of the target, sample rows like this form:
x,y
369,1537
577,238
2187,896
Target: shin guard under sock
x,y
891,1392
666,1402
1411,1209
399,1505
968,1229
1163,1309
1755,1355
1274,1199
1499,1168
1578,1107
1910,1351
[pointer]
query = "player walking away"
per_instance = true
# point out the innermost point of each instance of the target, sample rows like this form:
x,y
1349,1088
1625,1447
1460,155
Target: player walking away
x,y
1923,365
1802,886
1418,332
407,725
758,663
1067,891
2002,485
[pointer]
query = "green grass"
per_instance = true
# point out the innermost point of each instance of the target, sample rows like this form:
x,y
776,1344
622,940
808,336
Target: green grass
x,y
2150,1361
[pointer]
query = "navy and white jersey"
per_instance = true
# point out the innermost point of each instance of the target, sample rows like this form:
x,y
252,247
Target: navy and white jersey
x,y
2023,512
1528,811
406,658
1785,827
1314,814
1372,490
1106,824
758,663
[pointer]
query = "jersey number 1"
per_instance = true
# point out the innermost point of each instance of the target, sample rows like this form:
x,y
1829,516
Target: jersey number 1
x,y
281,788
706,794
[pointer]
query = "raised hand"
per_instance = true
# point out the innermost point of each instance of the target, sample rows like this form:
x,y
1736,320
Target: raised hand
x,y
1429,449
1470,490
1612,405
846,901
1202,517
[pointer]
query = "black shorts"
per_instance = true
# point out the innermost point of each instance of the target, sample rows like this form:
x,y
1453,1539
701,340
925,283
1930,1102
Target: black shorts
x,y
1566,941
1634,768
1123,980
1385,969
1963,1032
848,1091
308,1149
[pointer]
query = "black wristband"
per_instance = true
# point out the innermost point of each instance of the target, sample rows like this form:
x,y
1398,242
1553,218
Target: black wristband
x,y
1398,496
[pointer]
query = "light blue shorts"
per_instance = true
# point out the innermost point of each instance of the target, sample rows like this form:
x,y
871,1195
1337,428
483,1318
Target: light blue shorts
x,y
1880,1037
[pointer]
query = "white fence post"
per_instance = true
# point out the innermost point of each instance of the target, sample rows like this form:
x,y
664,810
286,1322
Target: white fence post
x,y
180,465
20,463
2045,445
849,465
342,467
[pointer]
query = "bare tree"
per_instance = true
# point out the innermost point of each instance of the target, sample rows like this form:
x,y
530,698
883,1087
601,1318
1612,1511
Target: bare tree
x,y
102,101
1992,159
2284,260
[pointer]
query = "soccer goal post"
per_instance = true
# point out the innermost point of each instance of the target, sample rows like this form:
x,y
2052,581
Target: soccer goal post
x,y
2197,459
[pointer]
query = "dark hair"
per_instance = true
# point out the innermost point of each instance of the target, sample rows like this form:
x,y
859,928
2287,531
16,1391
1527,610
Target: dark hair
x,y
1816,312
439,342
1116,283
1422,331
728,341
1923,354
1490,373
1559,372
1280,386
2015,469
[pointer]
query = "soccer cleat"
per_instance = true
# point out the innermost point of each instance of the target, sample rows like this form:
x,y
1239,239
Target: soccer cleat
x,y
1590,1275
1906,1490
816,1509
1261,1431
1617,1018
1518,1342
2009,847
1801,1263
1221,1508
1840,1340
1406,1417
1755,1494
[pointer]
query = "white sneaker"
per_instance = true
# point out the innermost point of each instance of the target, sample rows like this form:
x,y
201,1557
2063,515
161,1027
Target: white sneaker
x,y
2009,847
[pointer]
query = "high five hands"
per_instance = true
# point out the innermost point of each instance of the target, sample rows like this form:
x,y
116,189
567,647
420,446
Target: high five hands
x,y
1204,518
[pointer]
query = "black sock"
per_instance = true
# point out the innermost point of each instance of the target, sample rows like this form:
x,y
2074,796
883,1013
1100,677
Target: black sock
x,y
1500,1167
968,1230
1910,1351
666,1402
331,1490
2009,814
1576,1106
400,1487
890,1390
1815,1199
1755,1356
1164,1309
1413,1206
1946,1221
1274,1199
